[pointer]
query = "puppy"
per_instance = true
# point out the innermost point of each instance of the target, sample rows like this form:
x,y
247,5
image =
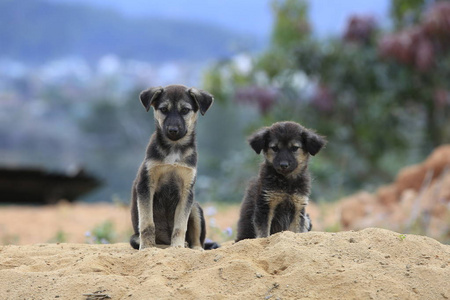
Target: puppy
x,y
276,200
163,210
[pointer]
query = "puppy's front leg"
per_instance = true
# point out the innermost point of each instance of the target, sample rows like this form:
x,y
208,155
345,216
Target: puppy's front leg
x,y
297,223
181,218
263,218
145,193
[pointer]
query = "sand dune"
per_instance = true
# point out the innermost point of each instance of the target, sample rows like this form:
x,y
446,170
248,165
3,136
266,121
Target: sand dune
x,y
368,264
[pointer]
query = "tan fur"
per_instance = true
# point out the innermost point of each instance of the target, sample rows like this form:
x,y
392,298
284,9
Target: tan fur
x,y
302,160
158,174
181,213
195,229
145,210
274,199
190,119
269,155
182,105
159,116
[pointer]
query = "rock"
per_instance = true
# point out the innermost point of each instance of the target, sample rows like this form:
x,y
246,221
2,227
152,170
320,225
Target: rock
x,y
412,200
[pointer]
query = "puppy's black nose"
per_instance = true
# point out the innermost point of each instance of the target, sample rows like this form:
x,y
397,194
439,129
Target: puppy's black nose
x,y
173,130
284,165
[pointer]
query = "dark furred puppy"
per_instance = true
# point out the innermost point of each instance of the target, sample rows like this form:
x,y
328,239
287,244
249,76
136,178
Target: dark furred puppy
x,y
276,200
163,210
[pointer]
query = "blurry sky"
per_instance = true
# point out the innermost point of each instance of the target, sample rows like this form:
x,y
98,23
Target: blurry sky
x,y
249,16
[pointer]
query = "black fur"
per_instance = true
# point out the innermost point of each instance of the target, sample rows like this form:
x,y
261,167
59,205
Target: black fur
x,y
202,98
285,174
172,138
147,97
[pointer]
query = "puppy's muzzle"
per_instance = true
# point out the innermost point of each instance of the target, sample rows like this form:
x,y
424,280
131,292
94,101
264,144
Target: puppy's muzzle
x,y
173,130
284,167
174,133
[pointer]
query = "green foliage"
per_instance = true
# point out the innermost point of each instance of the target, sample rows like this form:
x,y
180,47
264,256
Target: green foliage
x,y
406,12
10,239
336,227
272,62
60,237
103,233
291,25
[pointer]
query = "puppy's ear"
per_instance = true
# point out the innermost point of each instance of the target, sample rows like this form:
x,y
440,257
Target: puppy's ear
x,y
203,99
259,139
313,142
149,96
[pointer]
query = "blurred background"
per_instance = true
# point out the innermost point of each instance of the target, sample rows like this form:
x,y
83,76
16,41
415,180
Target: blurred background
x,y
371,76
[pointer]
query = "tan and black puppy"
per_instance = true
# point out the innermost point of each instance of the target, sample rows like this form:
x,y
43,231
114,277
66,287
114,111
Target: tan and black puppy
x,y
163,210
276,200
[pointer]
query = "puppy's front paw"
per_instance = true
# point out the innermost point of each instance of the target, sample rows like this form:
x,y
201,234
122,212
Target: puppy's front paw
x,y
177,244
146,245
261,234
200,248
147,238
178,240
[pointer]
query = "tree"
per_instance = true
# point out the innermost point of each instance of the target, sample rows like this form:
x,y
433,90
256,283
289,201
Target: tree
x,y
382,99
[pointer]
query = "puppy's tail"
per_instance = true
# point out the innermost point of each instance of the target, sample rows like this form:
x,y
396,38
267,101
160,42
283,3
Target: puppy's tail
x,y
210,245
134,241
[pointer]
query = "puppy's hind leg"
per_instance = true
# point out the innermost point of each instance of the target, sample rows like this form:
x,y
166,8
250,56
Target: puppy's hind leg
x,y
196,228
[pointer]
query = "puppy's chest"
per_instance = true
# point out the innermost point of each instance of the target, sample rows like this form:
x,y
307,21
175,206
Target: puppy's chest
x,y
274,198
171,170
172,158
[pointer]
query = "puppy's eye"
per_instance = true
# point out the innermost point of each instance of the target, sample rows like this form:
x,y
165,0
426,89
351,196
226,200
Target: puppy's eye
x,y
274,148
294,148
185,111
164,110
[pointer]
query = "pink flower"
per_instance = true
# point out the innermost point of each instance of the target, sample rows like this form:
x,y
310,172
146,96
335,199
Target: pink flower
x,y
263,97
359,29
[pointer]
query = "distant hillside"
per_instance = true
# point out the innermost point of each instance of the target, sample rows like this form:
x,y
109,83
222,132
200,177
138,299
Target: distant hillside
x,y
36,30
232,15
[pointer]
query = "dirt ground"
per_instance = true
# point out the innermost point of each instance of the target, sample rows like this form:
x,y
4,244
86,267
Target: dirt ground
x,y
368,264
62,222
76,222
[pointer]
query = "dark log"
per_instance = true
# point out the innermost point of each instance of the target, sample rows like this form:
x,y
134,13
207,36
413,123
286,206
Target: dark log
x,y
38,186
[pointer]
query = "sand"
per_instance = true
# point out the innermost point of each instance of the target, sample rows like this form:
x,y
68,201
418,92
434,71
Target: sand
x,y
367,264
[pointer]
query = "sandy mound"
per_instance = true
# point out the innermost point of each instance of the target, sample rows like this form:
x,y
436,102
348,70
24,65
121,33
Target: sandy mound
x,y
369,264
